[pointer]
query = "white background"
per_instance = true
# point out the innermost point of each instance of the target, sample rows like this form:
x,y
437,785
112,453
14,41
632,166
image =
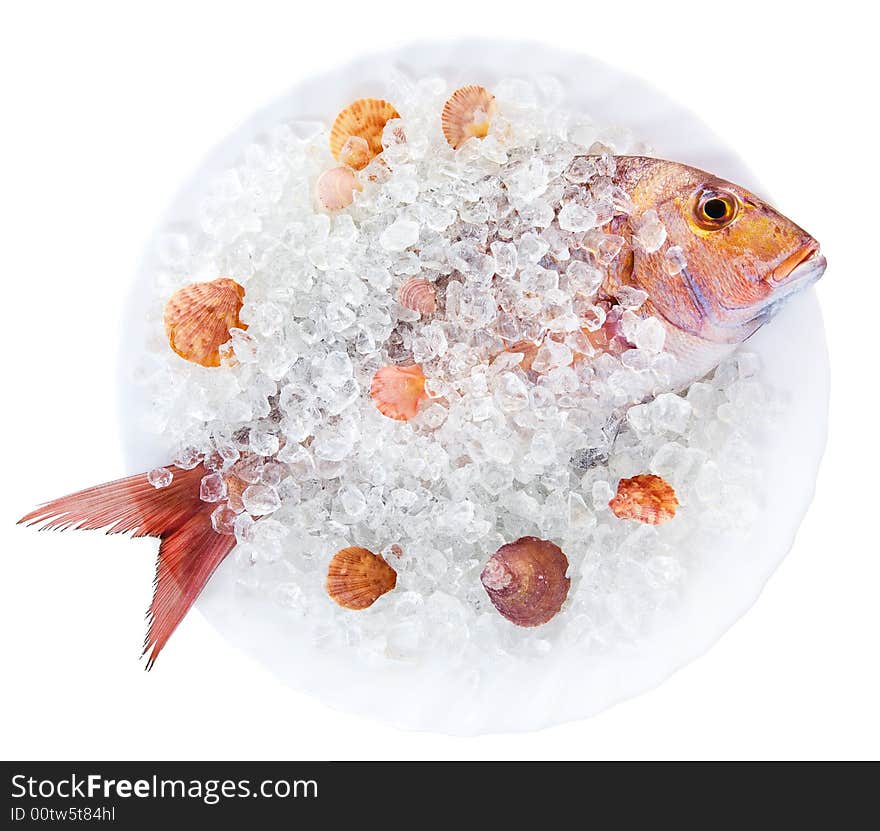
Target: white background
x,y
107,107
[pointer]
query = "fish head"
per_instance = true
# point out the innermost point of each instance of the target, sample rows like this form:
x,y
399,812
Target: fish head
x,y
742,258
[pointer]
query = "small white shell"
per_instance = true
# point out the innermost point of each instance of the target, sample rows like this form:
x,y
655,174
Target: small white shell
x,y
336,188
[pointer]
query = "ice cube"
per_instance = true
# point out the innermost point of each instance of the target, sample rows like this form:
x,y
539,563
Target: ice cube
x,y
531,248
602,493
580,517
551,355
273,472
160,477
583,278
576,217
629,297
223,520
212,488
505,254
511,392
674,260
671,412
650,232
650,335
188,458
581,169
400,235
263,443
242,526
352,501
260,500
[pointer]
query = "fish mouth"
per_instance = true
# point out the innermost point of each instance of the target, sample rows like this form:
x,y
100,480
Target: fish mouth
x,y
790,277
805,266
795,273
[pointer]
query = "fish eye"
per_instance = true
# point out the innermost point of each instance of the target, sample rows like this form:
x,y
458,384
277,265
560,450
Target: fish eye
x,y
715,209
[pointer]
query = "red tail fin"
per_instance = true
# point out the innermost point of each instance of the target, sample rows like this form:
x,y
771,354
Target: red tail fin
x,y
190,550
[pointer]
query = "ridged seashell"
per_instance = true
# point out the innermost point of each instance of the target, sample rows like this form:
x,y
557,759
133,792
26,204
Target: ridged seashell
x,y
356,578
526,581
645,498
467,114
397,391
336,187
418,295
364,119
198,318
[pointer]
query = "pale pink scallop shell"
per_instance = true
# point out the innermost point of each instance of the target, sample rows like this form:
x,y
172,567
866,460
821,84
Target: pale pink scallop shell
x,y
418,295
336,188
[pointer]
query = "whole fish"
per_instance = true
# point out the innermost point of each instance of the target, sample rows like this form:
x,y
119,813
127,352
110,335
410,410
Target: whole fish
x,y
728,262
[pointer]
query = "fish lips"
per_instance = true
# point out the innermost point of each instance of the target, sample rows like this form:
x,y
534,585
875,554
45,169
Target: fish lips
x,y
790,278
808,271
801,269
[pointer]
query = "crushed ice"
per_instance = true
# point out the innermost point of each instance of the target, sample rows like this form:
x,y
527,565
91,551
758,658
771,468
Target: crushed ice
x,y
496,452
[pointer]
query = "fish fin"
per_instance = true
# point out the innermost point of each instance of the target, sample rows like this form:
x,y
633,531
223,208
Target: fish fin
x,y
130,504
190,550
188,556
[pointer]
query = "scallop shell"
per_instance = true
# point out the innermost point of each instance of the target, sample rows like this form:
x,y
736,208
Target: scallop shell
x,y
645,498
356,578
397,391
467,114
418,295
365,120
526,581
198,318
336,187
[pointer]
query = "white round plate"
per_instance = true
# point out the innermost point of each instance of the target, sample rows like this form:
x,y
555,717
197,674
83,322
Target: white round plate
x,y
564,685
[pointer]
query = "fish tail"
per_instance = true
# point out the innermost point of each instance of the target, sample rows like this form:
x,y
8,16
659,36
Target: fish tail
x,y
190,549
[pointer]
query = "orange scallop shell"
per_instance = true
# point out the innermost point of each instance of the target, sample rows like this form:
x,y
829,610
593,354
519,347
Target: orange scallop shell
x,y
397,391
356,578
418,295
645,498
526,581
364,119
467,115
198,318
336,187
